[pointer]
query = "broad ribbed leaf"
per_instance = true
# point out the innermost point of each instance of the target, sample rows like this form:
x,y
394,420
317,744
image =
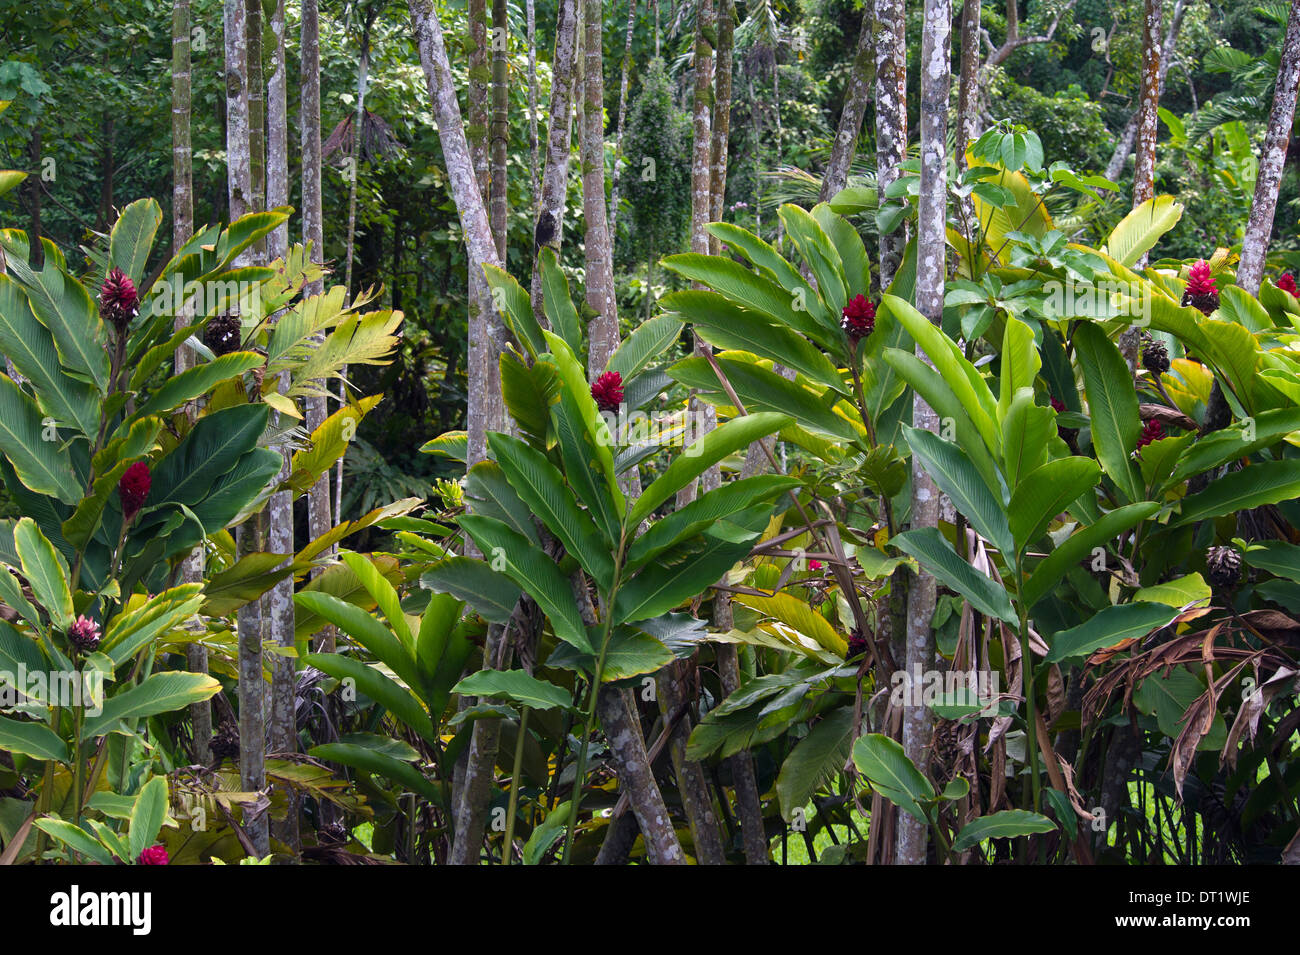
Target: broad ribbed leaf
x,y
815,761
928,546
218,441
541,486
46,572
1229,444
956,476
532,570
1112,405
382,689
76,839
1112,625
31,739
650,340
1080,544
132,238
147,815
703,454
1254,486
366,630
1001,825
1139,231
1045,493
557,303
160,693
662,586
892,774
492,594
385,596
42,465
381,764
515,686
822,257
762,389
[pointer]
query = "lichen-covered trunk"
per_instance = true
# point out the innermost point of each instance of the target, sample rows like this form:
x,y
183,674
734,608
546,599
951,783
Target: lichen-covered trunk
x,y
936,84
1272,159
618,719
252,725
481,250
1128,136
624,68
534,166
282,733
238,167
968,98
549,227
319,506
196,656
857,92
721,131
498,205
602,331
256,114
1144,172
354,161
891,117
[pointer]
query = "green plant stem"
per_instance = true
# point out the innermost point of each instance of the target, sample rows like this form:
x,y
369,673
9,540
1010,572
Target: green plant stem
x,y
515,774
1027,665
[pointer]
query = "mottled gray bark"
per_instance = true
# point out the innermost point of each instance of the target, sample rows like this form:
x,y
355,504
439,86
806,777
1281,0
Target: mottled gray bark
x,y
602,331
891,118
534,166
625,67
1144,172
1272,159
618,719
936,85
675,687
549,227
252,726
238,170
968,121
256,114
500,136
721,120
1128,137
857,92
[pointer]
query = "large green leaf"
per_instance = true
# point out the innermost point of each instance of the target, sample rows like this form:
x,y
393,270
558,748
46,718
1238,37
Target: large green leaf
x,y
557,303
892,774
35,453
930,547
159,693
956,476
515,686
197,381
31,739
63,305
46,572
365,629
380,688
815,761
1020,363
492,594
1114,624
1259,484
665,584
1027,430
647,342
132,238
385,596
701,455
1080,544
820,254
1113,406
1045,493
381,764
147,815
541,486
218,441
76,839
1001,825
1235,442
532,570
1139,231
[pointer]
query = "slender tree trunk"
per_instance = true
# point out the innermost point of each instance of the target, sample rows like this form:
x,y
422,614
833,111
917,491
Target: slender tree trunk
x,y
936,83
549,228
1272,159
1128,137
37,251
481,250
239,188
891,118
196,655
721,131
534,166
283,735
1144,173
622,118
968,98
603,329
319,518
676,687
857,92
500,139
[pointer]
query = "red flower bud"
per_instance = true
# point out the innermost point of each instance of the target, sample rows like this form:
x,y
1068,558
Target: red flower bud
x,y
84,634
859,319
607,390
118,300
1151,431
1201,292
133,489
1286,282
154,855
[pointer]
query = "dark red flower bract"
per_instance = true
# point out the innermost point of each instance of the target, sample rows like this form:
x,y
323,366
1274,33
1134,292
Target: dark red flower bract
x,y
154,855
859,318
133,489
1151,431
118,300
1286,282
607,390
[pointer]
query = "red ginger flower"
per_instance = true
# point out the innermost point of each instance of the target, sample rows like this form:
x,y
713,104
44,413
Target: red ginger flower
x,y
1201,292
858,644
1058,405
1286,282
133,489
84,634
1151,431
859,318
118,300
607,390
814,565
154,855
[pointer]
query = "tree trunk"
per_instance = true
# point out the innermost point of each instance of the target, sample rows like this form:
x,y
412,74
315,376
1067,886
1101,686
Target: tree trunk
x,y
721,131
500,139
1144,173
238,166
891,118
283,735
968,123
196,656
1129,135
856,94
481,250
549,227
252,725
534,166
936,84
319,508
622,118
358,129
1272,159
603,329
256,113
